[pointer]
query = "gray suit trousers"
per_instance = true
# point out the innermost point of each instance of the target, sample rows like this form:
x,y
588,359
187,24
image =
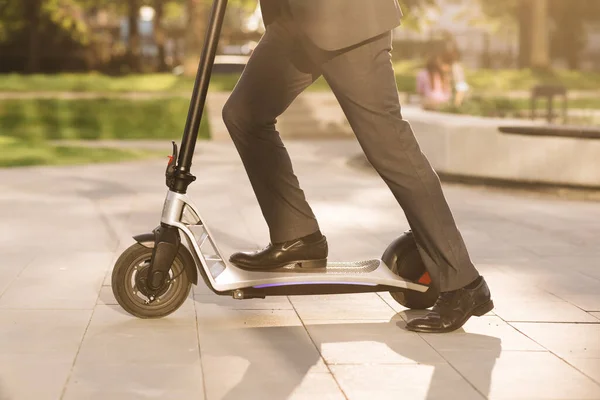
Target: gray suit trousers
x,y
362,78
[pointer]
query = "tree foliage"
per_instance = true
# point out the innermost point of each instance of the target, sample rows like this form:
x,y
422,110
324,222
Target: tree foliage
x,y
567,23
66,14
415,12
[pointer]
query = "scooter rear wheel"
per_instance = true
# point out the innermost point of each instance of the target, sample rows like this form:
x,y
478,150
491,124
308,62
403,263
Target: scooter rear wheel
x,y
403,258
128,284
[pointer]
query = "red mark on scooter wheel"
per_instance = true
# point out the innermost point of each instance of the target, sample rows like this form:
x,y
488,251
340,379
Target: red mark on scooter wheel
x,y
425,279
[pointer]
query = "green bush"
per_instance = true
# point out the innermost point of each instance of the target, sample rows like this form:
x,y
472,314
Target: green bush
x,y
36,120
481,80
486,107
498,81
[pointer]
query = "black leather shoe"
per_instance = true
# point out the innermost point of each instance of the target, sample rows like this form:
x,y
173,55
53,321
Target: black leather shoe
x,y
453,309
300,252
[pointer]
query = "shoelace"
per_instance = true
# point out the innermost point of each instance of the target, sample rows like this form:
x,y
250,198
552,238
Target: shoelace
x,y
445,299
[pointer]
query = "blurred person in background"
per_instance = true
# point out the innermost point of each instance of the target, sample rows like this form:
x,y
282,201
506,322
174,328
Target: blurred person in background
x,y
433,83
451,59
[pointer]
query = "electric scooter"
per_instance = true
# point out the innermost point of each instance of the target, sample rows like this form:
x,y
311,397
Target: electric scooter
x,y
154,276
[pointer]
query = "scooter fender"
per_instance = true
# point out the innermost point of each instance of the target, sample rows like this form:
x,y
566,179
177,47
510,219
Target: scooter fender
x,y
148,240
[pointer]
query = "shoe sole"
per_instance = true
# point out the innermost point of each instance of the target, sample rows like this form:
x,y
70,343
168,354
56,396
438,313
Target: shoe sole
x,y
479,311
304,264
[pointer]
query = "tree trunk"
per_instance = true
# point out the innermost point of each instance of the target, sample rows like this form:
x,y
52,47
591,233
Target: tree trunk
x,y
569,37
133,51
486,58
159,35
197,12
524,33
32,15
540,45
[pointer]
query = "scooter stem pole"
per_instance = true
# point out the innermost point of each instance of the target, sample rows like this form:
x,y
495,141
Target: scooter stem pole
x,y
199,93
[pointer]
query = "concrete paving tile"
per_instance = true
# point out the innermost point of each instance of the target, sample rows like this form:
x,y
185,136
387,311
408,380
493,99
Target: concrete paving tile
x,y
107,297
507,295
573,286
247,351
406,381
70,281
487,333
522,375
229,380
344,306
284,349
494,249
565,340
148,380
587,302
269,303
387,297
51,214
108,275
588,366
316,385
213,317
370,342
260,360
17,374
556,280
13,262
591,271
52,335
116,337
540,311
506,286
555,248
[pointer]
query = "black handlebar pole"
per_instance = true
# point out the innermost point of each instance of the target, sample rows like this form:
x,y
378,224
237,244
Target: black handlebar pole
x,y
182,175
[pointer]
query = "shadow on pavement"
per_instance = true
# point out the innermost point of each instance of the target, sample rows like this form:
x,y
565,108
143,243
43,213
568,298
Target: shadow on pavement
x,y
279,359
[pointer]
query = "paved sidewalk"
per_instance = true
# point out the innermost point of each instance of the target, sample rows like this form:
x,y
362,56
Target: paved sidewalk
x,y
62,336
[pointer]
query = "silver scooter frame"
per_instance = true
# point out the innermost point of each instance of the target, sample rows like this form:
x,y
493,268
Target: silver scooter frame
x,y
226,279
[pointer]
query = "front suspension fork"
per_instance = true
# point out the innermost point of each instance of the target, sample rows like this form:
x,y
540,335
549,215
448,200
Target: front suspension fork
x,y
166,247
166,238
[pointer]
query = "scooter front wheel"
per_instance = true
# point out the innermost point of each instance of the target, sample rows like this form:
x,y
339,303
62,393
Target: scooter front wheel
x,y
131,292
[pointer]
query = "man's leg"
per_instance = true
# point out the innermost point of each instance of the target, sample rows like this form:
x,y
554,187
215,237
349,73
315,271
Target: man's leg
x,y
363,81
276,73
274,76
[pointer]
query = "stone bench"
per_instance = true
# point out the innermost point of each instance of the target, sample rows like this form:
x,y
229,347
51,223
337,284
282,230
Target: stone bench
x,y
468,146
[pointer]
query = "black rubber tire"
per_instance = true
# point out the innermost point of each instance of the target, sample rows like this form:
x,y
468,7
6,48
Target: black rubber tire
x,y
403,258
170,300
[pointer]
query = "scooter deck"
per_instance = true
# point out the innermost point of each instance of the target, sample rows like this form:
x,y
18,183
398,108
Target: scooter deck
x,y
350,267
337,277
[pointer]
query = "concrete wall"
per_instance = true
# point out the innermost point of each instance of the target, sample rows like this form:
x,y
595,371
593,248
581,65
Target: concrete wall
x,y
455,144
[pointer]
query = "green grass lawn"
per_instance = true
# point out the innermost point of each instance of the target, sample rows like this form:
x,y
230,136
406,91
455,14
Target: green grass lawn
x,y
18,153
37,120
481,80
